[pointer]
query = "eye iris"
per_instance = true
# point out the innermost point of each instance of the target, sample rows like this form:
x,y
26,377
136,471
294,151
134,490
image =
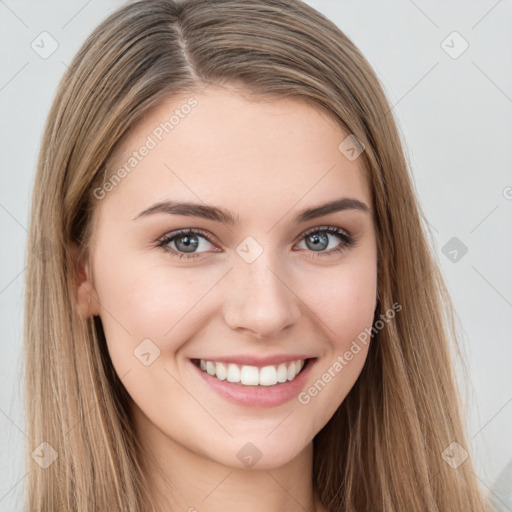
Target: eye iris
x,y
190,243
317,240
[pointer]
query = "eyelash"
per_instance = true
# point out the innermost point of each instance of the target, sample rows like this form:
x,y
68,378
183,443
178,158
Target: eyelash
x,y
346,241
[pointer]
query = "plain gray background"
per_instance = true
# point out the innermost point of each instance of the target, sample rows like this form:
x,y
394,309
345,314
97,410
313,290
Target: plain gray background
x,y
454,110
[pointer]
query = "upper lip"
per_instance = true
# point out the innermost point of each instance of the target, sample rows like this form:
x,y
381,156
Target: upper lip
x,y
247,360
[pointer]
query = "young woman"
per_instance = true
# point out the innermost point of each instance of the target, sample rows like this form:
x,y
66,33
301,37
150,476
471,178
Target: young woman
x,y
231,303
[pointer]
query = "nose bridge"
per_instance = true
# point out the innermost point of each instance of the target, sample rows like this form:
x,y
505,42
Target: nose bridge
x,y
259,299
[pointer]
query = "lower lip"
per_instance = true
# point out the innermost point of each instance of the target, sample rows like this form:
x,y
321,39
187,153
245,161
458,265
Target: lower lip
x,y
258,396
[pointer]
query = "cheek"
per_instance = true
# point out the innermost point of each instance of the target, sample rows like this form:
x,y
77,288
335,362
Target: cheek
x,y
344,303
344,300
143,300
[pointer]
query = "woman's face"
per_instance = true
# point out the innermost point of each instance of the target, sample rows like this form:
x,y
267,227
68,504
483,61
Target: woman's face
x,y
267,276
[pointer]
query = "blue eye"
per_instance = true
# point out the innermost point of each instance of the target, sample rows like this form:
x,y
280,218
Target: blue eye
x,y
186,242
188,239
317,239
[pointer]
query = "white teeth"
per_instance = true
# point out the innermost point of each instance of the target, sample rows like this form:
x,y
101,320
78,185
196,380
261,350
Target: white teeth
x,y
294,368
291,370
282,373
252,375
210,367
249,376
221,371
268,376
233,373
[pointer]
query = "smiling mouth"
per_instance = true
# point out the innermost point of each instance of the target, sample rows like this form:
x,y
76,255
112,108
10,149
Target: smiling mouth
x,y
246,375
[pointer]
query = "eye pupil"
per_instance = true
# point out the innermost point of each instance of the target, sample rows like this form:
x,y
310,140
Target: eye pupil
x,y
190,243
318,240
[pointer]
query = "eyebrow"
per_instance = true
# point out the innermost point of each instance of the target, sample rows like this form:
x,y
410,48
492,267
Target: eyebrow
x,y
225,216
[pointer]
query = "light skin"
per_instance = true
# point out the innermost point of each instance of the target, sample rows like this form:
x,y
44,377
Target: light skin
x,y
264,161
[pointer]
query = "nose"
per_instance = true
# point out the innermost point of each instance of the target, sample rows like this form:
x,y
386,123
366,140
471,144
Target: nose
x,y
259,299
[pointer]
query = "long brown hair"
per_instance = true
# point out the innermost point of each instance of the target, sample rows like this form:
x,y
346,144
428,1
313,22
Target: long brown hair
x,y
383,448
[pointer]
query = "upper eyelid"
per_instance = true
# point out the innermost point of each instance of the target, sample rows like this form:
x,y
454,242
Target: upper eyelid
x,y
323,228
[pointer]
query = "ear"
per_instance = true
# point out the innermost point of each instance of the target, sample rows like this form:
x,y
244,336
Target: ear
x,y
88,303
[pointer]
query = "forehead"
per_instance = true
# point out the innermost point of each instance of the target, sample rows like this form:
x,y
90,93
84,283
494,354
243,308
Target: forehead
x,y
220,146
